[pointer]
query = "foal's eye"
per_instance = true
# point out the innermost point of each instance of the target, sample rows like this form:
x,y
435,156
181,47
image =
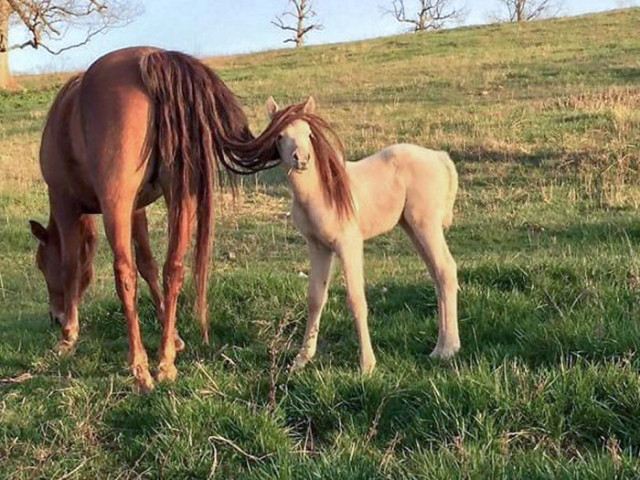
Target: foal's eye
x,y
280,136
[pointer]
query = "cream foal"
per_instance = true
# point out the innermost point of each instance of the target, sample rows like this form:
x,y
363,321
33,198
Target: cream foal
x,y
402,184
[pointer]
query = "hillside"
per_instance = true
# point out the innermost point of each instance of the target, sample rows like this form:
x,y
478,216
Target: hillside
x,y
542,120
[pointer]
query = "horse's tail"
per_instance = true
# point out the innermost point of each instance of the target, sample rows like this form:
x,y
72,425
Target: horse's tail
x,y
194,113
452,191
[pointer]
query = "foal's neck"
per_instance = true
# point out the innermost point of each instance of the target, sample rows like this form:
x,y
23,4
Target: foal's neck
x,y
307,186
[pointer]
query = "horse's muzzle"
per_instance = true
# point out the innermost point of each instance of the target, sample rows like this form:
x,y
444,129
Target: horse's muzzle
x,y
55,319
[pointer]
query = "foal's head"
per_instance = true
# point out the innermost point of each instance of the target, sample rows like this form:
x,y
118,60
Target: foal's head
x,y
307,145
294,139
49,261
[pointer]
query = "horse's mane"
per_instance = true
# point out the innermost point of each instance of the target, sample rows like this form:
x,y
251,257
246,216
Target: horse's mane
x,y
328,148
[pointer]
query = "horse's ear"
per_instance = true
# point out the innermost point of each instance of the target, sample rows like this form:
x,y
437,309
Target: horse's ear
x,y
39,231
309,105
272,107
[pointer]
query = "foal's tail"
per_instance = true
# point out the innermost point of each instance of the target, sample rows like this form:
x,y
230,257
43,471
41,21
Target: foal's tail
x,y
194,113
453,189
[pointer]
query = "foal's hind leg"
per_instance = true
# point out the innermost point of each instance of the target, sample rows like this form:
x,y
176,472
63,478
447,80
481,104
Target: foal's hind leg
x,y
148,267
430,242
118,227
173,278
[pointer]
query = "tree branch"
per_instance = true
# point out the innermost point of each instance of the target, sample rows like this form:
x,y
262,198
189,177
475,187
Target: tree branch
x,y
430,15
301,11
46,20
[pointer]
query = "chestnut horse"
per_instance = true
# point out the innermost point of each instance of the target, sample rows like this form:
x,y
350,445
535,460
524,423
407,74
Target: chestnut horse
x,y
140,123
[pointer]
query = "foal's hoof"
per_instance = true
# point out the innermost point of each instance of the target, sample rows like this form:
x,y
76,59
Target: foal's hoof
x,y
299,363
446,352
179,344
65,347
143,382
368,367
167,373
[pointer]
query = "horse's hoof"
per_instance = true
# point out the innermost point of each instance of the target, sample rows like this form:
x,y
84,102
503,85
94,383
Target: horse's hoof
x,y
167,373
446,352
179,344
65,348
143,382
299,363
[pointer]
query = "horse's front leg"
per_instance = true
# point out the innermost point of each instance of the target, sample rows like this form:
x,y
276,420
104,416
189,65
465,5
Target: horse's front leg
x,y
148,267
351,254
70,230
321,262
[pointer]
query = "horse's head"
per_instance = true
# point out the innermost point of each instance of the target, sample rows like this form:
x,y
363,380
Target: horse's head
x,y
49,261
294,140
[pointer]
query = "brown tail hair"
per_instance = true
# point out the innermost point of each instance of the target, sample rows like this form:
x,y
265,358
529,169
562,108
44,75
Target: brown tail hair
x,y
195,118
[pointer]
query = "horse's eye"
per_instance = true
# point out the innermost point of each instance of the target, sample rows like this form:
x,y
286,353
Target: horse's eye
x,y
280,136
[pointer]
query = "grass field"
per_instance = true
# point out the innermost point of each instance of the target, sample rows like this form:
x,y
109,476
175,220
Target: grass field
x,y
542,121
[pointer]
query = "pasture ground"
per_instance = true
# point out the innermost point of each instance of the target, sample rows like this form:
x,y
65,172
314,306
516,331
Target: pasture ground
x,y
542,121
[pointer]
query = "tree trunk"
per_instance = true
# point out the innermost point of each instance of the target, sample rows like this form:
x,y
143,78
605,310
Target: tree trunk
x,y
5,74
302,8
520,10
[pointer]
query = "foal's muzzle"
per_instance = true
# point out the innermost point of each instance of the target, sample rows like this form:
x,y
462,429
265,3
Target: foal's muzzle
x,y
300,164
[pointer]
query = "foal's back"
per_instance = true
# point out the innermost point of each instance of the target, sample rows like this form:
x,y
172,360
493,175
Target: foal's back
x,y
397,177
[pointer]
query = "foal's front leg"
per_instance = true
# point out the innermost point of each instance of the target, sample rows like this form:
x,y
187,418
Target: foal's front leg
x,y
352,263
321,262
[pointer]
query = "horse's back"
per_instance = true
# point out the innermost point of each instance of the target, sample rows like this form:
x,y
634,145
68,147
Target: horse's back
x,y
116,112
114,105
62,149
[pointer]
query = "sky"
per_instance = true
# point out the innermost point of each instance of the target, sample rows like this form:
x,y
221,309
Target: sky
x,y
220,27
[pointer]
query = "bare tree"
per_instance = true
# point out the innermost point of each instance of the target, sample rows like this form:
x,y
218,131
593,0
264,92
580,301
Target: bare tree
x,y
302,13
430,14
526,10
43,24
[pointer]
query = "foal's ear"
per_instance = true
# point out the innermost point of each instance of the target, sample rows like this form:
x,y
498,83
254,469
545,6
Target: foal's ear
x,y
39,231
272,107
309,105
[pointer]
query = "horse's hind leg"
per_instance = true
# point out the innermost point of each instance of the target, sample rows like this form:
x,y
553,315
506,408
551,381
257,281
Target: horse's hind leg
x,y
173,278
118,227
148,267
430,242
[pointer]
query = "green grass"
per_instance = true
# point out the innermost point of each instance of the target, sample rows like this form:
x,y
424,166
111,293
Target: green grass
x,y
542,121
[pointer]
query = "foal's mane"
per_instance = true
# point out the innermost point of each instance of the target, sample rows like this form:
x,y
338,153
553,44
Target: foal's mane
x,y
328,148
